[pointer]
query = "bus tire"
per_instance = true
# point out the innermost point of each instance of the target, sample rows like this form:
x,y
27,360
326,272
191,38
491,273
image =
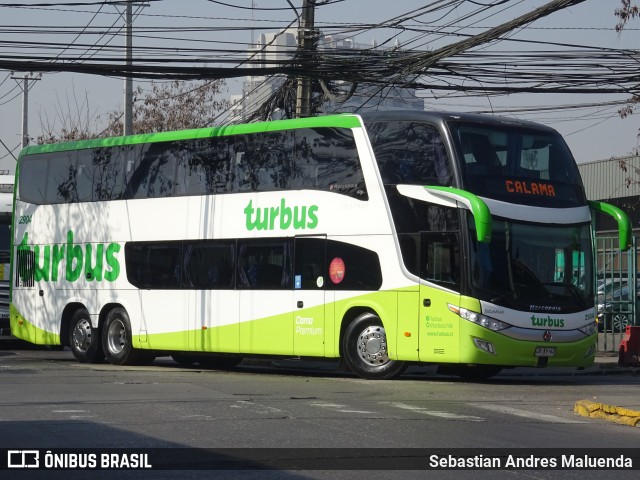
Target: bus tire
x,y
116,339
84,340
364,348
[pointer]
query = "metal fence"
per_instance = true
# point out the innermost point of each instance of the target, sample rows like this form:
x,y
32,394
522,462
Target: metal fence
x,y
617,291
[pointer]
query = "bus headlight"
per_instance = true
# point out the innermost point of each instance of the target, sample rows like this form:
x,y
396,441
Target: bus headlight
x,y
479,319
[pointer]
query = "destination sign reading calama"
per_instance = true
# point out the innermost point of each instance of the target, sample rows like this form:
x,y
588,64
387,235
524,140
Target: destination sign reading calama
x,y
530,188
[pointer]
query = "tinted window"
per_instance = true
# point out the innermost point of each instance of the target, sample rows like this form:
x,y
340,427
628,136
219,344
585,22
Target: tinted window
x,y
154,172
410,153
154,264
209,265
32,178
62,179
99,174
252,264
518,165
327,159
412,216
352,268
309,272
322,159
262,162
440,260
204,167
264,264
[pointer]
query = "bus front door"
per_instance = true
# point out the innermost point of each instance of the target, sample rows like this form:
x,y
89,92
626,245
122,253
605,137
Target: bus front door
x,y
440,270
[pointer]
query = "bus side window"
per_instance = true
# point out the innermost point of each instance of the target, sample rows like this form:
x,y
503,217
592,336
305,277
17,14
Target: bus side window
x,y
350,267
62,178
209,264
155,173
154,265
440,259
309,263
409,250
327,159
264,264
99,174
32,180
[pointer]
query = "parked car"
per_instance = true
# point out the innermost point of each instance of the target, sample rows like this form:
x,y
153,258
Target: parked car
x,y
615,312
606,286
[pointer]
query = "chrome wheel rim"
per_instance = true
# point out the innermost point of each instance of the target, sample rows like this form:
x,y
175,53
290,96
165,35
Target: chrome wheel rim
x,y
116,337
372,346
82,335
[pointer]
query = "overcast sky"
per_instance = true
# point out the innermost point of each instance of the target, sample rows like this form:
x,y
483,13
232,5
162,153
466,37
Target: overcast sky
x,y
593,133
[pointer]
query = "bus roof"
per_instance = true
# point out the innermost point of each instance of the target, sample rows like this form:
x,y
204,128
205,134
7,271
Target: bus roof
x,y
340,120
439,117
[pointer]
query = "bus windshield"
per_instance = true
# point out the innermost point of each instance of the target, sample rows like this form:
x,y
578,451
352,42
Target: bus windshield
x,y
516,164
533,267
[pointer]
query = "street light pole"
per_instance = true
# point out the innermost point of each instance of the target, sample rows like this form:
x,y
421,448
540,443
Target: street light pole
x,y
25,106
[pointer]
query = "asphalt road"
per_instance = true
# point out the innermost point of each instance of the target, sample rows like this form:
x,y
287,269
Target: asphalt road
x,y
49,401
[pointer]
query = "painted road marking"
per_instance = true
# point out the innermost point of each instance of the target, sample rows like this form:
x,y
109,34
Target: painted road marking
x,y
337,407
543,417
437,413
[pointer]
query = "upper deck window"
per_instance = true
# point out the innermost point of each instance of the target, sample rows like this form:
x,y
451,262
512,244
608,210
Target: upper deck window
x,y
409,152
322,158
518,165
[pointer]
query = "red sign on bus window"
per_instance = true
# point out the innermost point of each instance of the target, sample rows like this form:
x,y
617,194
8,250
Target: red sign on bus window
x,y
336,270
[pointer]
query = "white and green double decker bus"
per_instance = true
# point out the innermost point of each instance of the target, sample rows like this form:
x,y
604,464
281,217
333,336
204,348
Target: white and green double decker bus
x,y
383,240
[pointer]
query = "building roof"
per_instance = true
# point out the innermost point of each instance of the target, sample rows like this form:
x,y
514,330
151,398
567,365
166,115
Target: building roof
x,y
611,178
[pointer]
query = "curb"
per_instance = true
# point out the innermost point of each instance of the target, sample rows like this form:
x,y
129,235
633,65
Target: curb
x,y
623,416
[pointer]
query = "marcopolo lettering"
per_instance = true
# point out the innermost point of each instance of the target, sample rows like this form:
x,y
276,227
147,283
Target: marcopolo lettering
x,y
96,261
282,217
547,322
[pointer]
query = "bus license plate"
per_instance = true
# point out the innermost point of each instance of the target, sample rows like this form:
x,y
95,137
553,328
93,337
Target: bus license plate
x,y
545,351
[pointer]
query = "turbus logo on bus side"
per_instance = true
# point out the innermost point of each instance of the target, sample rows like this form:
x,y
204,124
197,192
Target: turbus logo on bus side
x,y
96,261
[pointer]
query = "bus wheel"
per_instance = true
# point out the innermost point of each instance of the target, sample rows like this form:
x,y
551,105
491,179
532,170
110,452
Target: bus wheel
x,y
116,339
84,340
364,347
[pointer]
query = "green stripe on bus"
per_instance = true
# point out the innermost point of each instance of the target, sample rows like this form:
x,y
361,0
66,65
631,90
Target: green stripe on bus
x,y
339,121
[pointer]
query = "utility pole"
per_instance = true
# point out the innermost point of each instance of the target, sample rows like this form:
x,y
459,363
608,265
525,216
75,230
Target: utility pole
x,y
128,80
25,106
306,45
